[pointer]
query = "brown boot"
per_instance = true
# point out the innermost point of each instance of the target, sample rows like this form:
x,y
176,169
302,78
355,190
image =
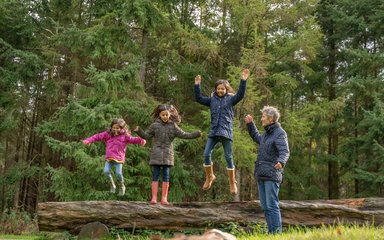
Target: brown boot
x,y
209,177
232,180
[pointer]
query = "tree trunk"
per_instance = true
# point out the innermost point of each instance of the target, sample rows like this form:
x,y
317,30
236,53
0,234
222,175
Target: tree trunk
x,y
223,32
144,47
356,157
238,180
3,171
71,216
333,165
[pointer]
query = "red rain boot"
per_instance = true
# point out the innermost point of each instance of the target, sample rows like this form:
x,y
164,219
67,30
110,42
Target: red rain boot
x,y
155,188
164,193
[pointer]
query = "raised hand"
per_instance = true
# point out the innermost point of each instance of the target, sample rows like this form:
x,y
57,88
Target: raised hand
x,y
86,142
197,79
248,119
245,74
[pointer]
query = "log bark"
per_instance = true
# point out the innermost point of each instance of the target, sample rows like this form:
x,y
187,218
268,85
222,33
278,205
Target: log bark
x,y
71,216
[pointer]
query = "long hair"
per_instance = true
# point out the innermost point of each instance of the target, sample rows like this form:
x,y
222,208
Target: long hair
x,y
121,123
226,85
174,114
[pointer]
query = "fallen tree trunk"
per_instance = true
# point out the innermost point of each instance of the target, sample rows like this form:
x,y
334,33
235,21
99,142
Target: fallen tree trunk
x,y
71,216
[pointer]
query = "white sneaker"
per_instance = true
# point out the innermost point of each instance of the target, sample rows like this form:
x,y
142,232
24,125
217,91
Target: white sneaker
x,y
113,188
122,190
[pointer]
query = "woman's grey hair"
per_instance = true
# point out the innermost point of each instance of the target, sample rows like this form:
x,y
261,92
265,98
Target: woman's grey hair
x,y
271,112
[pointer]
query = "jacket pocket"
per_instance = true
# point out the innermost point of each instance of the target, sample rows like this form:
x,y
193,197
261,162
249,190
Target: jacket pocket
x,y
266,170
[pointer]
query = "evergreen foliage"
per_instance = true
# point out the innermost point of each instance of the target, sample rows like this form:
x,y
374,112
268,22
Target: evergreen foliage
x,y
69,67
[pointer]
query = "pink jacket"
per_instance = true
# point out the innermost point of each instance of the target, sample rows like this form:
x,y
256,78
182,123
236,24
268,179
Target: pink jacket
x,y
115,145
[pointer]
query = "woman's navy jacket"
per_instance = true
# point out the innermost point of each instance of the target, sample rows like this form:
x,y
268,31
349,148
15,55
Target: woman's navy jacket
x,y
273,148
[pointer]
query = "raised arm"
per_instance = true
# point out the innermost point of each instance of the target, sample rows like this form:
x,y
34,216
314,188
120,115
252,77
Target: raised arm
x,y
243,86
197,90
252,130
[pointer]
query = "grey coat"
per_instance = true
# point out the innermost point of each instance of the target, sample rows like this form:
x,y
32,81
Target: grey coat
x,y
163,134
273,148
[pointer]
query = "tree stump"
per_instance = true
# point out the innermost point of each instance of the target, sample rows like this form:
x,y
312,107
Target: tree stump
x,y
94,231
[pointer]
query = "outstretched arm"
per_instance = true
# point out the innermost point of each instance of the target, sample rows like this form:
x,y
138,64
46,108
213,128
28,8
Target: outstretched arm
x,y
95,138
146,135
197,90
181,134
135,140
243,85
252,130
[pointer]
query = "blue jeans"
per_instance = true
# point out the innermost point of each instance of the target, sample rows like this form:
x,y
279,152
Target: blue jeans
x,y
227,145
156,172
269,203
118,170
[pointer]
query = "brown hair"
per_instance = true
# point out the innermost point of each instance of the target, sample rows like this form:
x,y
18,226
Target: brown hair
x,y
120,122
174,114
226,85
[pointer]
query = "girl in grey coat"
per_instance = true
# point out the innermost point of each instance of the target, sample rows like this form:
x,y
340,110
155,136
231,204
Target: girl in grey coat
x,y
163,130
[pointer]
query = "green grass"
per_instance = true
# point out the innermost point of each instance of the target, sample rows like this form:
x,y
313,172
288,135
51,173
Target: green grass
x,y
24,237
325,233
338,232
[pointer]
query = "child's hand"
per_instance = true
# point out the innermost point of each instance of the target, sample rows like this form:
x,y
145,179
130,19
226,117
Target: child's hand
x,y
197,80
245,74
200,133
86,142
248,119
143,143
136,129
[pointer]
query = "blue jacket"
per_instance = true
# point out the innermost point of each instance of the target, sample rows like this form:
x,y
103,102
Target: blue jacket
x,y
221,110
273,148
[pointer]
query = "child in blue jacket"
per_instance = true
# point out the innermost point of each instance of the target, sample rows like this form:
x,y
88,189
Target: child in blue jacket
x,y
221,104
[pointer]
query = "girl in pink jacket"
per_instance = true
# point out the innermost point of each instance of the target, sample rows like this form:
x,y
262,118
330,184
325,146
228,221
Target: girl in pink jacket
x,y
116,139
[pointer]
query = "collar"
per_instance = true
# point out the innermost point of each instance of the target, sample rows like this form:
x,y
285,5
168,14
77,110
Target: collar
x,y
269,128
161,121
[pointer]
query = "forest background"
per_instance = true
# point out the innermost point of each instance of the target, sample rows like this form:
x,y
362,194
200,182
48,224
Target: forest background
x,y
68,67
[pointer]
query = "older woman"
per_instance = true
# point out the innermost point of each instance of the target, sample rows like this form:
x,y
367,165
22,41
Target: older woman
x,y
272,156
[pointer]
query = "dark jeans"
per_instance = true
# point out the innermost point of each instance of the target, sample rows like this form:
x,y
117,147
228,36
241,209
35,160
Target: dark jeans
x,y
156,172
227,145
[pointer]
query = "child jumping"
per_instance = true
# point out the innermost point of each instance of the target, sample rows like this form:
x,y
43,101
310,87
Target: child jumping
x,y
116,139
163,130
221,104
